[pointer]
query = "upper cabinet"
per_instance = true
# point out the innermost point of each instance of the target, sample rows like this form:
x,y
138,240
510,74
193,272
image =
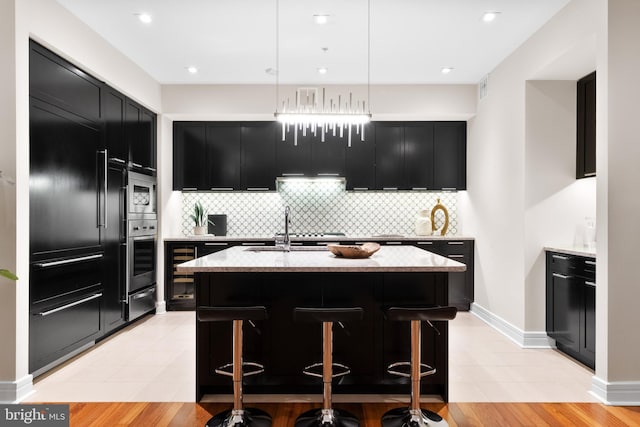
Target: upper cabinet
x,y
586,127
250,155
140,134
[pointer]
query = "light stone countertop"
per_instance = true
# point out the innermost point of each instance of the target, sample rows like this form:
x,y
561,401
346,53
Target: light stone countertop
x,y
375,238
572,250
387,259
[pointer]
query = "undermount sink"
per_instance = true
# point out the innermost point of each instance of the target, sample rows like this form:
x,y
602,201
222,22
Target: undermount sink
x,y
281,249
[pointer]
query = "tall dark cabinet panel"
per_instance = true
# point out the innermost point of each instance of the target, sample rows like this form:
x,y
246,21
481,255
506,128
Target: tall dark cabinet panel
x,y
328,158
190,171
113,107
390,156
418,153
140,134
449,156
223,153
586,127
360,159
258,156
293,160
67,197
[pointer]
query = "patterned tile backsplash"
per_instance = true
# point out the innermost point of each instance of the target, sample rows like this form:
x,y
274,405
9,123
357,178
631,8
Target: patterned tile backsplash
x,y
320,206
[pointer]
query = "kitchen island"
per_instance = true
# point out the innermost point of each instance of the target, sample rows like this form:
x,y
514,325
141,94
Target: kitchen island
x,y
398,275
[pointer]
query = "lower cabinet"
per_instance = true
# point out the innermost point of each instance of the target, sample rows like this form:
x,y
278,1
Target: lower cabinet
x,y
571,305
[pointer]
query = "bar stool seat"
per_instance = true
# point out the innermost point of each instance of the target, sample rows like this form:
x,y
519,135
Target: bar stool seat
x,y
239,416
414,416
327,416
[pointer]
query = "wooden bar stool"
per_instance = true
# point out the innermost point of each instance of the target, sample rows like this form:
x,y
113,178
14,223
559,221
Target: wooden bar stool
x,y
414,416
239,416
327,416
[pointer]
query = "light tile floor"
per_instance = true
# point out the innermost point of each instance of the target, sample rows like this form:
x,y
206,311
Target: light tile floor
x,y
154,360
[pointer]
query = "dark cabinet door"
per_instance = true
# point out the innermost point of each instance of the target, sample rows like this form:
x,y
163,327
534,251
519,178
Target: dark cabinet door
x,y
449,156
292,159
418,155
190,163
588,341
65,187
258,167
328,157
586,127
361,161
145,151
566,298
223,153
390,156
132,130
114,250
113,108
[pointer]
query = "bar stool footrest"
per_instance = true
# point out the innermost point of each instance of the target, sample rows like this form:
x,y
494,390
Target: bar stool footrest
x,y
227,370
424,369
345,370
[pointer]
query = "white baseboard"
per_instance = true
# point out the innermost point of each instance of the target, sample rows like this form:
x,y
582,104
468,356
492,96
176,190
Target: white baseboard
x,y
622,393
161,307
15,391
525,339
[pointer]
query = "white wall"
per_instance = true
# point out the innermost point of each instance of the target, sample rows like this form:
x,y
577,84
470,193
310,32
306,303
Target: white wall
x,y
502,182
50,24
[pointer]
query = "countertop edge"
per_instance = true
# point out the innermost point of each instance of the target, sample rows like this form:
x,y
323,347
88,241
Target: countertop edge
x,y
571,251
320,269
211,238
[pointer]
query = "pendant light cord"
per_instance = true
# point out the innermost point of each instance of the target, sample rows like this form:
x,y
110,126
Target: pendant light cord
x,y
369,55
277,53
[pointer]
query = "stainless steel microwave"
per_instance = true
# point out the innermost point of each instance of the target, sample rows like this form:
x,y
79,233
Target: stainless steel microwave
x,y
141,195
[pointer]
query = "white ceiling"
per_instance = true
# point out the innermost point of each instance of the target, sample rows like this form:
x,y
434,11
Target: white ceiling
x,y
234,41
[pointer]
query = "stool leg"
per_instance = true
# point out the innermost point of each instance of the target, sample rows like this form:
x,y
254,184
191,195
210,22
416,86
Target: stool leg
x,y
237,365
327,363
416,358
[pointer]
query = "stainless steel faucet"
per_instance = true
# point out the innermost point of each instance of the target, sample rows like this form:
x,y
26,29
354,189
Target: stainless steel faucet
x,y
287,222
285,241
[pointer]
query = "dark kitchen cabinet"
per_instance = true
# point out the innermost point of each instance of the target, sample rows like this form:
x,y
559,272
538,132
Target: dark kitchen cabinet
x,y
294,158
190,161
223,154
449,156
390,156
360,159
586,127
140,136
66,187
570,305
328,158
258,155
418,155
113,107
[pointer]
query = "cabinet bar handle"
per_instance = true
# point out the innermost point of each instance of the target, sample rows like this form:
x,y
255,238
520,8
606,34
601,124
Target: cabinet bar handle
x,y
138,165
590,174
590,283
143,294
221,188
292,174
392,243
456,256
64,307
425,243
389,188
253,244
328,174
68,261
560,257
257,188
593,263
419,188
449,188
561,276
150,168
455,243
117,160
360,188
216,244
189,189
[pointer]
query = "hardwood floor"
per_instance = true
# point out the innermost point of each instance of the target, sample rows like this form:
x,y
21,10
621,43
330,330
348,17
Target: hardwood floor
x,y
284,414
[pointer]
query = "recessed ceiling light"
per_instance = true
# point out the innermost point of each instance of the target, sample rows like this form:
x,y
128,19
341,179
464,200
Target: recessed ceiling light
x,y
192,70
446,70
490,15
321,19
145,17
323,70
